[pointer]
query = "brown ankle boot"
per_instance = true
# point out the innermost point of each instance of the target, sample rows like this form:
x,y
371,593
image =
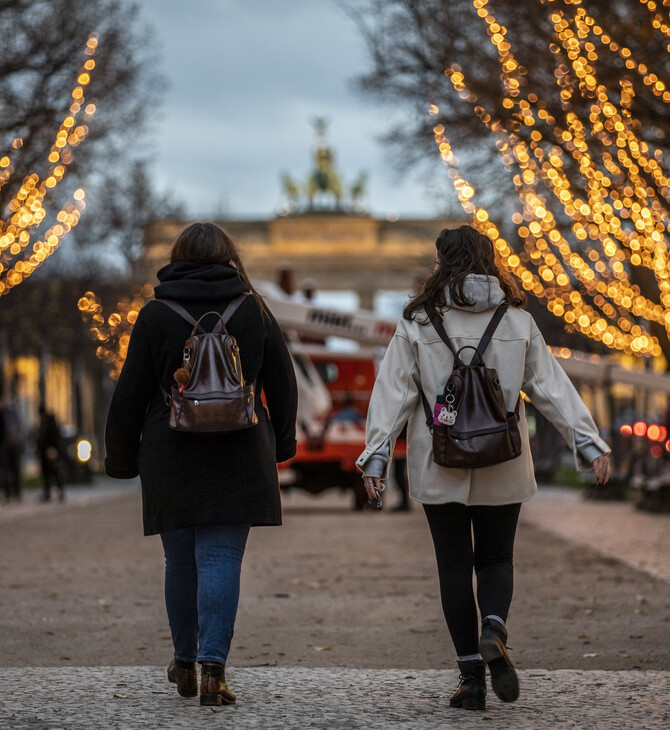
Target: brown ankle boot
x,y
185,676
213,687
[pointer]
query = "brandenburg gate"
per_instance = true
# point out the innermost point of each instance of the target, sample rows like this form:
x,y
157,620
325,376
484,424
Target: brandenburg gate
x,y
323,237
335,251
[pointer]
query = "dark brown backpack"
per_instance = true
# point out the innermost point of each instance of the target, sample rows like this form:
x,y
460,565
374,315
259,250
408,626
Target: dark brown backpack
x,y
470,425
210,395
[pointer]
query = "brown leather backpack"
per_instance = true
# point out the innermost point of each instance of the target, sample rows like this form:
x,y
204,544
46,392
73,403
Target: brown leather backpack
x,y
470,425
210,395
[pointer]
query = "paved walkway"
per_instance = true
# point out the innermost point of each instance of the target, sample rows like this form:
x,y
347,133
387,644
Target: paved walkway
x,y
76,495
140,697
615,529
291,697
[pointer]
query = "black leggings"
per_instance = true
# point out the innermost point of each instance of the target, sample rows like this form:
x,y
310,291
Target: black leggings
x,y
452,526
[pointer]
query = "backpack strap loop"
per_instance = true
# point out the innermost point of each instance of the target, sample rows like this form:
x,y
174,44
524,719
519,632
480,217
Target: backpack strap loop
x,y
218,327
476,358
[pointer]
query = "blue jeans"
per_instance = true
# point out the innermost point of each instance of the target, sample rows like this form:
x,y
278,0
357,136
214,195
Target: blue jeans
x,y
202,588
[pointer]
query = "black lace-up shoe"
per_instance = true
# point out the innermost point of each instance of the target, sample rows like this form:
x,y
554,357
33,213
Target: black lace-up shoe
x,y
493,648
471,692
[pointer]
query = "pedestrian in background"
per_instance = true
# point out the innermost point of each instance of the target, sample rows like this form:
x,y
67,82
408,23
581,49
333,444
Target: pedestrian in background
x,y
12,450
472,513
49,443
202,491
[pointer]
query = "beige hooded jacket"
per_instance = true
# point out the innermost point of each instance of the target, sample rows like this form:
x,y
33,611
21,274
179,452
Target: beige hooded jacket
x,y
417,357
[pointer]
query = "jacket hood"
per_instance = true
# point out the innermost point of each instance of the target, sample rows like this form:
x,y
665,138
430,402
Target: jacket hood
x,y
186,281
484,291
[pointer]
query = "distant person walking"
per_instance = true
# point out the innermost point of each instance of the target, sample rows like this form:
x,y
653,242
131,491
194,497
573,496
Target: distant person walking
x,y
472,512
202,491
49,447
12,450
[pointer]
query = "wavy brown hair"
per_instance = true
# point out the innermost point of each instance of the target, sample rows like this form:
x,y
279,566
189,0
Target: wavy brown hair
x,y
207,243
461,251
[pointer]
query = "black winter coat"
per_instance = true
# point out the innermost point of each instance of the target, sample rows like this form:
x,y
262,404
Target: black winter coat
x,y
201,479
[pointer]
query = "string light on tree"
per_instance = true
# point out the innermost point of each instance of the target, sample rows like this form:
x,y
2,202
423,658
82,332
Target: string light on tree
x,y
111,332
22,248
593,195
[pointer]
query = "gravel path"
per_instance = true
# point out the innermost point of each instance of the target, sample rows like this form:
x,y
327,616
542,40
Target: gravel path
x,y
139,697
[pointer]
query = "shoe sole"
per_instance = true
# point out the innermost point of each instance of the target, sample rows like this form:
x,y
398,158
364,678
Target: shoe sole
x,y
504,679
215,700
470,704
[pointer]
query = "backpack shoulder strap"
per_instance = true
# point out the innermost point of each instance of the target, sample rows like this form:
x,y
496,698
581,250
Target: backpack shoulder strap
x,y
229,311
426,410
488,332
436,321
181,311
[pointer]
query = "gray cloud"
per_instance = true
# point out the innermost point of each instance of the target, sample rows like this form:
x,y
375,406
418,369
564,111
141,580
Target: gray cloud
x,y
246,77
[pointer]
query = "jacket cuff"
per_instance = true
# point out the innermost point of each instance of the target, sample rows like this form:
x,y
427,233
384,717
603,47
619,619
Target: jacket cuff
x,y
375,467
588,449
285,453
120,472
375,456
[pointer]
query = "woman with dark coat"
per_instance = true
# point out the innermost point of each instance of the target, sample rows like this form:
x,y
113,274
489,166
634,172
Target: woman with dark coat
x,y
472,512
202,492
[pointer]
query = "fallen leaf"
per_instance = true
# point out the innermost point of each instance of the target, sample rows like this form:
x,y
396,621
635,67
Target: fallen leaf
x,y
322,648
589,656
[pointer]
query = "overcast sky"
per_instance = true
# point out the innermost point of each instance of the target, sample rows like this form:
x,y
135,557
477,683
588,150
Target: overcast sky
x,y
246,77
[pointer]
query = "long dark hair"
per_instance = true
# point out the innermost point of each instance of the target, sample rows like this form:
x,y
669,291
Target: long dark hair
x,y
461,251
207,243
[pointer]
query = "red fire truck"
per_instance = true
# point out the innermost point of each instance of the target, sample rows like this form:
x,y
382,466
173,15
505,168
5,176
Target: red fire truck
x,y
334,391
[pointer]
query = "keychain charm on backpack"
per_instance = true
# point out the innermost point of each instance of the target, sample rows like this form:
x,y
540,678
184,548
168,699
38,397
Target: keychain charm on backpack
x,y
444,413
447,417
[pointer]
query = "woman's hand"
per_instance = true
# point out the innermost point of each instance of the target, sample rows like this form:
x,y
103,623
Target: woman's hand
x,y
601,467
372,483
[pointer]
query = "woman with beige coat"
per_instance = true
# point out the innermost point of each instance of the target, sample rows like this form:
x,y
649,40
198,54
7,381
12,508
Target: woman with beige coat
x,y
472,513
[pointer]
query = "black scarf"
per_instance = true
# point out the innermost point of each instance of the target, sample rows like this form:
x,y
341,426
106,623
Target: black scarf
x,y
191,282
